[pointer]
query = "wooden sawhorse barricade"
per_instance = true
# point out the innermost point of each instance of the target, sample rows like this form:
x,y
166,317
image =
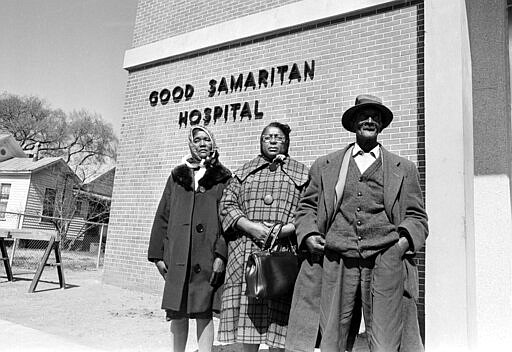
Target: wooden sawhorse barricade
x,y
38,235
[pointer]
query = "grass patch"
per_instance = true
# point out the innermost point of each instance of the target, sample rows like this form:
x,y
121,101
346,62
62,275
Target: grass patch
x,y
27,258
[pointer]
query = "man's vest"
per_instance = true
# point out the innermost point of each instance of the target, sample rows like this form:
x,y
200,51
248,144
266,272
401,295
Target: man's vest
x,y
361,227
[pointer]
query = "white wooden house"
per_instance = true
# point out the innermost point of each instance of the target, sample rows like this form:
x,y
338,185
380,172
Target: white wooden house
x,y
35,191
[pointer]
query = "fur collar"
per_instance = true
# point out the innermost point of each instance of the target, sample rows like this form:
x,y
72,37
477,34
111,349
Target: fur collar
x,y
183,176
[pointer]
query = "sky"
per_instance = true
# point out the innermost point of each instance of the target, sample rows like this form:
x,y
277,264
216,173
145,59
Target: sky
x,y
68,52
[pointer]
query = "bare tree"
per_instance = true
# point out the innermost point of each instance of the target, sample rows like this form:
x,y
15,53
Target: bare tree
x,y
60,199
97,213
86,142
31,120
82,139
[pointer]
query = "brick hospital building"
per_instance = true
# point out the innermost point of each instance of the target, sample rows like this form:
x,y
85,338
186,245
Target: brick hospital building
x,y
441,66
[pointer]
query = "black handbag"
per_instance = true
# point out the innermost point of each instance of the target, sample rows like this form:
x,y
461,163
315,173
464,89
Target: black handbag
x,y
271,274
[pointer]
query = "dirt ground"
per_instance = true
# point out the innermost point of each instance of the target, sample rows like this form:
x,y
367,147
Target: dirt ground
x,y
89,312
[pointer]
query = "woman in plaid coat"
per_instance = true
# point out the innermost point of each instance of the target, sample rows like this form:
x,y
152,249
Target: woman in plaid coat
x,y
265,191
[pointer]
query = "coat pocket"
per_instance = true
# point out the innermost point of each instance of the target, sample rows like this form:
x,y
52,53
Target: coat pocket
x,y
411,284
166,253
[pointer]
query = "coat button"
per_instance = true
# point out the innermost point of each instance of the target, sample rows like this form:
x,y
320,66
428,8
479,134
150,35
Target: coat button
x,y
201,189
359,222
359,194
197,268
358,208
268,199
359,238
200,228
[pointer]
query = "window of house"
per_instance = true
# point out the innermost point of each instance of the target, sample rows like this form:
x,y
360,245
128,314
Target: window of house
x,y
5,190
49,204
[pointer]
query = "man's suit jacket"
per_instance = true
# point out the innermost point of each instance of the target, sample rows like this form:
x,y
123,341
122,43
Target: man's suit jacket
x,y
403,203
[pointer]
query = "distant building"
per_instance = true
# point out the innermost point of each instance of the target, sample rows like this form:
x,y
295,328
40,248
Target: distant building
x,y
95,199
34,189
34,192
102,184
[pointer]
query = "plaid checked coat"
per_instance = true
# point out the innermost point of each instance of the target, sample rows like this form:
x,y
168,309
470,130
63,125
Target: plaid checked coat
x,y
261,195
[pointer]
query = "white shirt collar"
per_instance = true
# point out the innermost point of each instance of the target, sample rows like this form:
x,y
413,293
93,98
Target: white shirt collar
x,y
375,152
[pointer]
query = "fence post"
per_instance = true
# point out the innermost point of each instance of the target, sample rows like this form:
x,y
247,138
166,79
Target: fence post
x,y
99,246
13,249
19,221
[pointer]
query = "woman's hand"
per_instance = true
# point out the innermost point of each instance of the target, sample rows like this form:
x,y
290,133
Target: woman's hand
x,y
218,272
258,231
218,265
287,230
162,268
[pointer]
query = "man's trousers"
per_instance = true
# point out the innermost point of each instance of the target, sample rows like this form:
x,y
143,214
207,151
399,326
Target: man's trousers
x,y
378,282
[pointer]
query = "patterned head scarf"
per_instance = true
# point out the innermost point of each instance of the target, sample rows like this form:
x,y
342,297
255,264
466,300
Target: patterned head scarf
x,y
194,160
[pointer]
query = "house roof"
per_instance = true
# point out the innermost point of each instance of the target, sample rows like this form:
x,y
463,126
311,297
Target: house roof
x,y
101,184
24,165
99,177
28,166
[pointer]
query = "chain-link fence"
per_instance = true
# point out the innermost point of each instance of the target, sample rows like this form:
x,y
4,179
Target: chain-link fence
x,y
82,245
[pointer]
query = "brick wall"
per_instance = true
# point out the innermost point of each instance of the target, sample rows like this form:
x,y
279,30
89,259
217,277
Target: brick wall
x,y
380,52
159,19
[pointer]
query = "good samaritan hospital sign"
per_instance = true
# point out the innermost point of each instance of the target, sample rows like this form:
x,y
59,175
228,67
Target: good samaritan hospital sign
x,y
262,79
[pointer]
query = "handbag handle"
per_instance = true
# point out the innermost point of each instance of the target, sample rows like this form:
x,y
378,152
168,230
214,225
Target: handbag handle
x,y
274,233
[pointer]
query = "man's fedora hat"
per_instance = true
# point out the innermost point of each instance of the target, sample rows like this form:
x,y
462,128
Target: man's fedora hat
x,y
366,101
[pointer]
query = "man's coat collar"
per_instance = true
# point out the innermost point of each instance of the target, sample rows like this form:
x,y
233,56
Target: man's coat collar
x,y
393,177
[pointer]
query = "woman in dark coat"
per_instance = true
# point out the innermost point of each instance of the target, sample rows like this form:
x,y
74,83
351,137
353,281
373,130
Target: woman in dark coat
x,y
264,192
186,243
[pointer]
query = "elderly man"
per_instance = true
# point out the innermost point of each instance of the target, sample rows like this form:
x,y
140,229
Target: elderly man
x,y
361,219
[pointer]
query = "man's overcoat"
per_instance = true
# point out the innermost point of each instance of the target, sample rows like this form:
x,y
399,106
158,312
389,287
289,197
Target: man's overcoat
x,y
186,234
315,296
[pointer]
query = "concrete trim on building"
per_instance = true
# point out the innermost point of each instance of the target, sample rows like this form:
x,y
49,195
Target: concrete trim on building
x,y
450,273
255,25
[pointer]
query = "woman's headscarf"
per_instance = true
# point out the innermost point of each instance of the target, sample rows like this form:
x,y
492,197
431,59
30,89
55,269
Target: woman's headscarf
x,y
194,159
